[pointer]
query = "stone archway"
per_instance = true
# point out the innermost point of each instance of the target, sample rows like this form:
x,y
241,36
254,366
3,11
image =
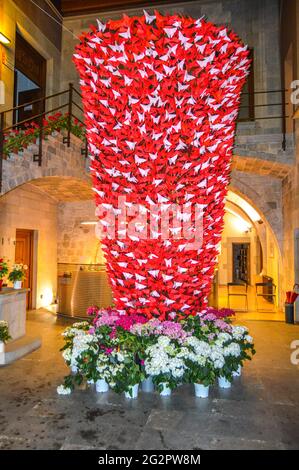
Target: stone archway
x,y
270,230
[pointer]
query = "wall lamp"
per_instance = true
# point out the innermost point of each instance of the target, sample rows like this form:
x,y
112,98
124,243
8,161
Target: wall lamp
x,y
4,39
89,222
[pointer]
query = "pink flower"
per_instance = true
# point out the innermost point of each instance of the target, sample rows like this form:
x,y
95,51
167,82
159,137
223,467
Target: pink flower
x,y
93,310
108,351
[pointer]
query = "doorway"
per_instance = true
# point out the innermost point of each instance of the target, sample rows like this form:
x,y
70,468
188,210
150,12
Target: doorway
x,y
241,262
30,80
24,255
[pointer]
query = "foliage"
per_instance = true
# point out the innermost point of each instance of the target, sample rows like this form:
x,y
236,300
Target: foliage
x,y
17,140
3,268
18,272
4,331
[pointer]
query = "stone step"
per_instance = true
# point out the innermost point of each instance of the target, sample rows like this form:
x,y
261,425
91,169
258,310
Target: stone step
x,y
18,348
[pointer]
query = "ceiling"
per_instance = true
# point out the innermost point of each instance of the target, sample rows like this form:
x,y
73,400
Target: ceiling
x,y
64,189
79,7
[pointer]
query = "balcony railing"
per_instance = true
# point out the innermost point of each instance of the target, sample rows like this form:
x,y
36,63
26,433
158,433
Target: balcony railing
x,y
70,107
251,109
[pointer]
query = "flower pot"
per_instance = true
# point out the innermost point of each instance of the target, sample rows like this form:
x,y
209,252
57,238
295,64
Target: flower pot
x,y
223,383
132,392
102,386
201,391
17,285
166,391
1,284
2,346
238,372
147,385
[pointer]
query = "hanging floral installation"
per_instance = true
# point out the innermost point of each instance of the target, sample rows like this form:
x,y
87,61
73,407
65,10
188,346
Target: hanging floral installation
x,y
161,97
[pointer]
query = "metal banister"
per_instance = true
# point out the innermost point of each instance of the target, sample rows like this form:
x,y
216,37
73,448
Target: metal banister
x,y
71,104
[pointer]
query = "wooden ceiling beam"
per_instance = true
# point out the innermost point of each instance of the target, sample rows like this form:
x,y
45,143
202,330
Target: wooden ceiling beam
x,y
81,7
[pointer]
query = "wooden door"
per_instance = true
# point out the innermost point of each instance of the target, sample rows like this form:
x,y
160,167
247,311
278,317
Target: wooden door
x,y
24,255
31,66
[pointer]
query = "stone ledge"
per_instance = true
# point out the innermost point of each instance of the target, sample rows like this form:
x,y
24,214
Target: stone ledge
x,y
19,348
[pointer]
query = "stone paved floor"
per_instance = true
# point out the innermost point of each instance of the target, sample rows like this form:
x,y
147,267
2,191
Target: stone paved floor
x,y
261,411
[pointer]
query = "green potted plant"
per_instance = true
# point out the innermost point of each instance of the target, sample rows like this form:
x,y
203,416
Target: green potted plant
x,y
17,275
4,334
200,370
3,271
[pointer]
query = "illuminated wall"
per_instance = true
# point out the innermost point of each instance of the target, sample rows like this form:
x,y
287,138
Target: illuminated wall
x,y
26,208
76,242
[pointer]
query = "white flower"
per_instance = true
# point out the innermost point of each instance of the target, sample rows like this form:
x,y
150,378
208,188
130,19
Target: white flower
x,y
120,357
232,349
62,390
67,355
249,339
238,332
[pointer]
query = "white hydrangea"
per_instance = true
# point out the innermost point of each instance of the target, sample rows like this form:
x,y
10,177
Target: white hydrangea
x,y
163,358
217,357
82,342
67,355
238,332
62,390
233,349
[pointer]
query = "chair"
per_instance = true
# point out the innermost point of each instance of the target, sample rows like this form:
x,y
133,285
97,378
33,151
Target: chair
x,y
270,294
240,293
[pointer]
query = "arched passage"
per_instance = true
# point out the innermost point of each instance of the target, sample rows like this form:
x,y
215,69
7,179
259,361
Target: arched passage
x,y
34,209
249,249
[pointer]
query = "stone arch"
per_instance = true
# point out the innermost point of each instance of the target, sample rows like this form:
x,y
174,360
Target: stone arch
x,y
253,197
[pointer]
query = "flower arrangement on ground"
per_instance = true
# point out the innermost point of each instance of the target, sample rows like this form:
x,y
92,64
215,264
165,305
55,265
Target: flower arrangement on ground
x,y
125,350
4,331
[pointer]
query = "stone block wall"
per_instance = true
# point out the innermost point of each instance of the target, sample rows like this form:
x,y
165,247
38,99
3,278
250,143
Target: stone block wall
x,y
77,243
29,208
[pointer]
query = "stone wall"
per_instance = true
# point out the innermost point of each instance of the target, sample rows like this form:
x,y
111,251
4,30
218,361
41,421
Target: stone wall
x,y
28,208
77,243
265,193
291,220
57,160
37,33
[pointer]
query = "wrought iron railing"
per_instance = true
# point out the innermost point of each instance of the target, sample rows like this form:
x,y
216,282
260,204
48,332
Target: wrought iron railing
x,y
11,114
250,111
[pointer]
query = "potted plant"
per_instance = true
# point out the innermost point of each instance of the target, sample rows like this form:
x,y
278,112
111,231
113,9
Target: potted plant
x,y
126,373
3,271
164,362
200,366
17,275
4,334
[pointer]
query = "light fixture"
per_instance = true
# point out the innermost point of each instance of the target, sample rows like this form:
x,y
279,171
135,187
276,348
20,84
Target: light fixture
x,y
4,39
241,224
89,222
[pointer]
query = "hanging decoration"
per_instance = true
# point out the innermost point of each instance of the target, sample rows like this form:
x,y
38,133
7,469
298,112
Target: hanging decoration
x,y
161,97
